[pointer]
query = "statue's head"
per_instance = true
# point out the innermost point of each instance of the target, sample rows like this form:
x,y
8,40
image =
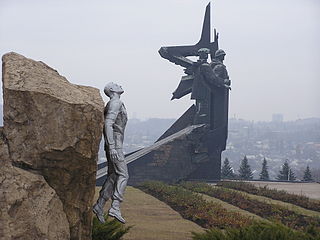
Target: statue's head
x,y
203,53
112,87
220,54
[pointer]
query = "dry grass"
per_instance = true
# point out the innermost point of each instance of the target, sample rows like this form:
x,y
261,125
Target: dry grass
x,y
152,219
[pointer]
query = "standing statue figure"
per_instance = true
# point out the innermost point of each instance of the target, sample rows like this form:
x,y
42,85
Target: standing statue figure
x,y
115,120
219,69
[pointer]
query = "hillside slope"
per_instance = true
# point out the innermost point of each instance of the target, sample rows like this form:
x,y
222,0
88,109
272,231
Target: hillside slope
x,y
152,219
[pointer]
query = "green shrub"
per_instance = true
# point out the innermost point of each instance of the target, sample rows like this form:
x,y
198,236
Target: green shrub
x,y
110,230
280,195
256,231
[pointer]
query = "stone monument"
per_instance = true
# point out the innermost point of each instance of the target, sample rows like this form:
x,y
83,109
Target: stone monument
x,y
209,86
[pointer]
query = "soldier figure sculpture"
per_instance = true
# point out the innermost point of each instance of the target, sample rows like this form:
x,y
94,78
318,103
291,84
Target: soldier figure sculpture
x,y
115,119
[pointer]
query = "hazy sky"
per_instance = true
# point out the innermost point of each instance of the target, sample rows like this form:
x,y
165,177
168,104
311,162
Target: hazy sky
x,y
273,52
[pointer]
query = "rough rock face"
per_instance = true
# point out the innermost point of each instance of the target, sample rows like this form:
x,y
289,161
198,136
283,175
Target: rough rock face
x,y
53,128
29,207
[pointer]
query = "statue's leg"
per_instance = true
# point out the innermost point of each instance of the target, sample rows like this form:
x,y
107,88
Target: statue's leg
x,y
106,191
121,171
108,186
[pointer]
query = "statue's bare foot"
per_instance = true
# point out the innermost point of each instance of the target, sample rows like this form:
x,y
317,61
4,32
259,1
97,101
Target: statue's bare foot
x,y
116,214
99,213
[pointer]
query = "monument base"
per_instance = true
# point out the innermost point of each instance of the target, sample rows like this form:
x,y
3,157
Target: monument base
x,y
181,156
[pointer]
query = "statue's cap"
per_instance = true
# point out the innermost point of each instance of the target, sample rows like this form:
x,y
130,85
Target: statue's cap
x,y
204,50
219,52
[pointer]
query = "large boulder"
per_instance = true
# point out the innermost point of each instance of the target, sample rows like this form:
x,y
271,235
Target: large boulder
x,y
29,207
53,128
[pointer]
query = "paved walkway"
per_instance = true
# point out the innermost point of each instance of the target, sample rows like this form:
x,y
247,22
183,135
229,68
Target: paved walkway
x,y
311,190
153,219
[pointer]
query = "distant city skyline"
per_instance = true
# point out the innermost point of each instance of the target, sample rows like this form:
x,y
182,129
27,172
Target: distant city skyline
x,y
272,49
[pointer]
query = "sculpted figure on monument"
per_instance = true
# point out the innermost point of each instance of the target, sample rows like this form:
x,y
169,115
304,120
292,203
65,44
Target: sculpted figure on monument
x,y
219,69
115,119
214,74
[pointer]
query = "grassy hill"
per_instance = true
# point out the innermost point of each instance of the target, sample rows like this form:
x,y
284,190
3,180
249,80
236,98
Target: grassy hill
x,y
162,211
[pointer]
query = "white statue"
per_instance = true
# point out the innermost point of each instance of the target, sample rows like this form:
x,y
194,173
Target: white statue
x,y
115,120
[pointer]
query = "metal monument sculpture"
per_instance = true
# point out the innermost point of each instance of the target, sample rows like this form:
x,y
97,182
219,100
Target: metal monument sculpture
x,y
209,85
115,120
191,148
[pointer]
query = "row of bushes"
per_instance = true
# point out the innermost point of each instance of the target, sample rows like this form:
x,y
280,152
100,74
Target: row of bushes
x,y
281,195
193,207
256,231
271,212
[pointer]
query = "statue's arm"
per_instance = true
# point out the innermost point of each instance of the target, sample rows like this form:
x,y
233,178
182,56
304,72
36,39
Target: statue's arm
x,y
220,71
210,76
